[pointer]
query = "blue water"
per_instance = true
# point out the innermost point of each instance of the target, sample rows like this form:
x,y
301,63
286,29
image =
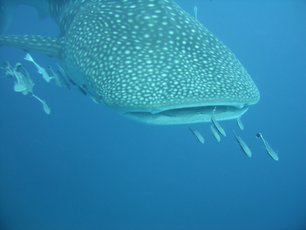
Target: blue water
x,y
85,167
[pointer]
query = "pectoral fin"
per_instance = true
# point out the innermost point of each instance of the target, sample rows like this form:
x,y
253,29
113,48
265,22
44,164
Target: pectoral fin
x,y
47,45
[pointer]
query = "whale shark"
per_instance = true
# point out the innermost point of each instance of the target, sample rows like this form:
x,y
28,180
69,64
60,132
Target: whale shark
x,y
149,60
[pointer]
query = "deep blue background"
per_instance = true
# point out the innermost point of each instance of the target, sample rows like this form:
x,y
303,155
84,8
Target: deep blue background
x,y
85,167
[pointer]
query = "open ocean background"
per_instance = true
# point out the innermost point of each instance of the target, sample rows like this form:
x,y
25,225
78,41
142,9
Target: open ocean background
x,y
85,167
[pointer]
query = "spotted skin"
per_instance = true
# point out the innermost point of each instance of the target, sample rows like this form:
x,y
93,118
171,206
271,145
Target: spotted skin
x,y
148,56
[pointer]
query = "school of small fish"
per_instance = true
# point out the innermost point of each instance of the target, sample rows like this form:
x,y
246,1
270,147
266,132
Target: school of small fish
x,y
218,131
23,82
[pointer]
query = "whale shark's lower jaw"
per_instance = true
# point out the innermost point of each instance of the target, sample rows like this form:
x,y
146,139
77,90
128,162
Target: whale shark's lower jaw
x,y
189,114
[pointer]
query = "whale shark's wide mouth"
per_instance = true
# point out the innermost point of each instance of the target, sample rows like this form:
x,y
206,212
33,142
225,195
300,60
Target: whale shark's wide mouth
x,y
189,114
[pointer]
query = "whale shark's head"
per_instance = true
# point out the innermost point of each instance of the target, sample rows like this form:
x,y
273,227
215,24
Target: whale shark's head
x,y
155,63
151,61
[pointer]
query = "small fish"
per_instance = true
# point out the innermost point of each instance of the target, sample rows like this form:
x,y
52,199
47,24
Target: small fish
x,y
198,135
66,84
240,124
46,108
72,82
269,150
62,75
40,69
215,133
55,76
217,124
244,147
9,70
95,100
23,82
83,90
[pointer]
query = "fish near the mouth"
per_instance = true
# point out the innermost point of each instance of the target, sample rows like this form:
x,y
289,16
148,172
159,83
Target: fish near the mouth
x,y
147,59
243,145
270,151
216,124
198,135
215,133
240,123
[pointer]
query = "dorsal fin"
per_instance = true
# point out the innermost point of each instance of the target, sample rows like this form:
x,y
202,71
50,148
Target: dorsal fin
x,y
47,45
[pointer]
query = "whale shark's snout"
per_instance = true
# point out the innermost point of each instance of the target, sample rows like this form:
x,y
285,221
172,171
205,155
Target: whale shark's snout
x,y
191,99
185,91
191,92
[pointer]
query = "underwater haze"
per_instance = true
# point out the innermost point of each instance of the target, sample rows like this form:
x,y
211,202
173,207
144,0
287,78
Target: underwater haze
x,y
86,167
